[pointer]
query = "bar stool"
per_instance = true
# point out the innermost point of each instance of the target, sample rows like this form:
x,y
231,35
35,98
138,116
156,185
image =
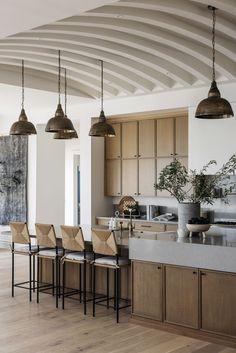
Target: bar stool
x,y
21,245
46,238
104,243
74,252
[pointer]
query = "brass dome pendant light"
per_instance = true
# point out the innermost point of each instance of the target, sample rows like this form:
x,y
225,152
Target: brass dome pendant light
x,y
214,107
102,128
22,126
59,122
62,135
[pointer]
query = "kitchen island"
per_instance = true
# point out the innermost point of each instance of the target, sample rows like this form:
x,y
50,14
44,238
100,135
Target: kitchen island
x,y
185,285
177,284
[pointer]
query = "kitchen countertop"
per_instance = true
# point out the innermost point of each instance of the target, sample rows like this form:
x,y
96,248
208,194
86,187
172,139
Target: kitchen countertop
x,y
216,252
140,220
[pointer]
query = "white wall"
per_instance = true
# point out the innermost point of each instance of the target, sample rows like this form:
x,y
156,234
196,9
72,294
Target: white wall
x,y
50,178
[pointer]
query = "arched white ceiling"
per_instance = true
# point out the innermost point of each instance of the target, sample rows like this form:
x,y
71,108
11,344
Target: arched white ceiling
x,y
146,45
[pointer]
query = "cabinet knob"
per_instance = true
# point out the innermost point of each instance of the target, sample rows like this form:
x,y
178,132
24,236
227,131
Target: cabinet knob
x,y
194,272
139,193
118,193
203,274
135,155
135,193
118,156
159,267
139,155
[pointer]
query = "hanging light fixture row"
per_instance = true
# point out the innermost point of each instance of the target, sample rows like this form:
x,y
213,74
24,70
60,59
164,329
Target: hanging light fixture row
x,y
102,128
214,107
22,126
65,135
59,122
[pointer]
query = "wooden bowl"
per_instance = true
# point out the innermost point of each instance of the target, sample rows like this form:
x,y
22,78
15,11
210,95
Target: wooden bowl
x,y
198,228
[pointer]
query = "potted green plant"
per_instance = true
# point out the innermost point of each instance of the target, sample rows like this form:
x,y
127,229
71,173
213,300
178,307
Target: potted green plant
x,y
195,188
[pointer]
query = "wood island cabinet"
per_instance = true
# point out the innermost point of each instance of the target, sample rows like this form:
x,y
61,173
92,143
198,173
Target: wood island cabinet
x,y
181,296
147,289
218,309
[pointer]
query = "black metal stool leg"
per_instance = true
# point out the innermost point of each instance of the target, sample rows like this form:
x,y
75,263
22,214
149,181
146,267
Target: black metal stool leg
x,y
84,289
30,278
114,289
117,294
80,284
63,283
59,277
37,279
33,273
108,285
94,288
12,273
53,278
56,264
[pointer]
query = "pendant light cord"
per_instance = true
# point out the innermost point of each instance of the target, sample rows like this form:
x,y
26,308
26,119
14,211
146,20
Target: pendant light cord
x,y
22,84
213,42
59,75
65,91
101,85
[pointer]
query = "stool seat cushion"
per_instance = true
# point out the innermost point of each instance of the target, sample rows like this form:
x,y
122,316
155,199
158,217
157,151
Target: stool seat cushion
x,y
111,261
25,248
50,252
78,256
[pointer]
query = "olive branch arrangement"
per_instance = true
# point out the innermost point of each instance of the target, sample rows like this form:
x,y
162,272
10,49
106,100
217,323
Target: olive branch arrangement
x,y
197,186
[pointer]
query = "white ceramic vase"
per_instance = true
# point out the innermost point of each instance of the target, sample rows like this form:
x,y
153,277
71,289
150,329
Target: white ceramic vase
x,y
186,211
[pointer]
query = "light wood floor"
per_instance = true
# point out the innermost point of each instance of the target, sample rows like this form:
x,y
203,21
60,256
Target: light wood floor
x,y
31,328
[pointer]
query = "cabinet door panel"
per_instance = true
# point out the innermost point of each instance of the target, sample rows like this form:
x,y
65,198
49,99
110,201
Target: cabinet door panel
x,y
165,137
147,138
113,177
161,163
181,136
147,289
181,296
130,139
113,144
218,302
130,177
147,177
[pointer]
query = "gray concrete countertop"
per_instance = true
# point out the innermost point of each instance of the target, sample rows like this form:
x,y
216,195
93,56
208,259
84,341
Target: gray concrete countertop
x,y
216,252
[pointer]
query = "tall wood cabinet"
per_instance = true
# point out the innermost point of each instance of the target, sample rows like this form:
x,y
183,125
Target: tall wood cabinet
x,y
144,148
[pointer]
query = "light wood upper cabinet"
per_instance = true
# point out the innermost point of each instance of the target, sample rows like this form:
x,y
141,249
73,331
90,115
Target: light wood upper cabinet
x,y
161,163
130,139
130,177
113,144
113,177
181,295
218,302
147,179
181,136
147,138
165,137
147,289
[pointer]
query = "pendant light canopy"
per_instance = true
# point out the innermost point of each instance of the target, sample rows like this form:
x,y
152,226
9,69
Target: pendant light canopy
x,y
22,126
65,135
102,128
59,122
214,107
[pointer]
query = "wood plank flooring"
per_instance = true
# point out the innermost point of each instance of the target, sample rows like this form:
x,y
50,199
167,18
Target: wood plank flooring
x,y
40,328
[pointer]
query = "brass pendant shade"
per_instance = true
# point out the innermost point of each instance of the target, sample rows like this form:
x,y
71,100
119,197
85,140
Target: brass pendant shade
x,y
214,107
102,128
59,122
23,126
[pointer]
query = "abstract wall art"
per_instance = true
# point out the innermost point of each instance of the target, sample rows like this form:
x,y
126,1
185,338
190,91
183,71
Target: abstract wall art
x,y
13,178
